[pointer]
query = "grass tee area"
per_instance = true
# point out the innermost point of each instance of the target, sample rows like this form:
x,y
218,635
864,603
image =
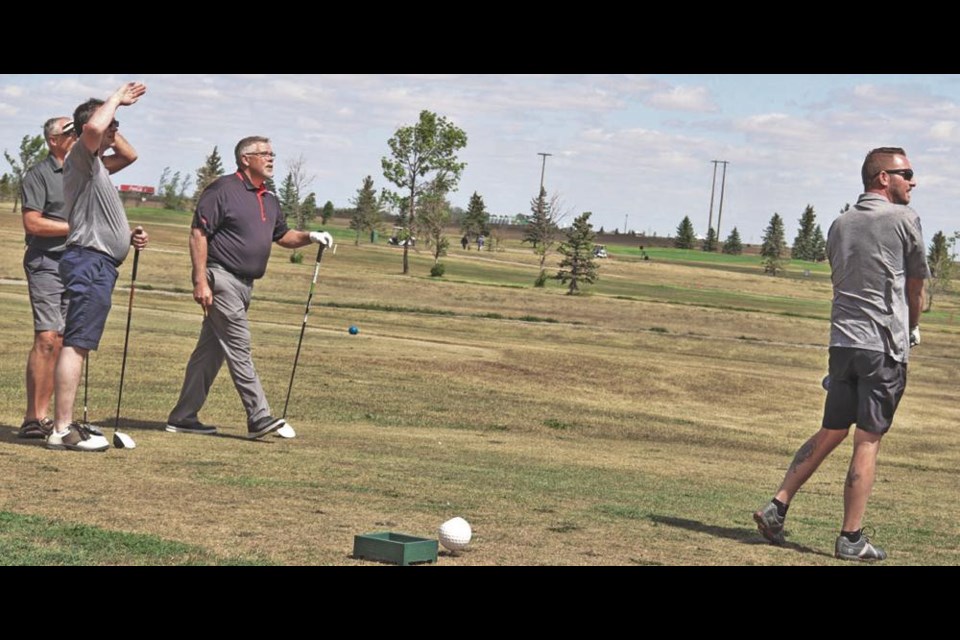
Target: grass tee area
x,y
640,424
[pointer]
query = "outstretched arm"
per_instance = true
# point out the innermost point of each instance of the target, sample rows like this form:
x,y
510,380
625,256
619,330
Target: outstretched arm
x,y
92,135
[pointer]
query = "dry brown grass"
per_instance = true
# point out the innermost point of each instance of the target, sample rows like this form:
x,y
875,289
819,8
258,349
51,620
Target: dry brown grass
x,y
642,429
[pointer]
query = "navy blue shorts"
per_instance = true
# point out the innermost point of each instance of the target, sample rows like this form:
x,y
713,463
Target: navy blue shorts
x,y
88,279
865,388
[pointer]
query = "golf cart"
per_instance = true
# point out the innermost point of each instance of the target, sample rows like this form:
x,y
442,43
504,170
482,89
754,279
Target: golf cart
x,y
600,251
395,238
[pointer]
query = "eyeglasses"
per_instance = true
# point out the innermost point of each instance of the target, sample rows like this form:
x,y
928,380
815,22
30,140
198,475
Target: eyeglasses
x,y
906,173
262,154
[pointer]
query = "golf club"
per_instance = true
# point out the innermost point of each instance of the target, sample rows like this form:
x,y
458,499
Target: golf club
x,y
286,431
86,385
122,440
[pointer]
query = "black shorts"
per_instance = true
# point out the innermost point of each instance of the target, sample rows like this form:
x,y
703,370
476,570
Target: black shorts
x,y
865,388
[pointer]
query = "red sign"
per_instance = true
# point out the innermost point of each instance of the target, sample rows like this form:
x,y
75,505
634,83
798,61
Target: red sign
x,y
137,188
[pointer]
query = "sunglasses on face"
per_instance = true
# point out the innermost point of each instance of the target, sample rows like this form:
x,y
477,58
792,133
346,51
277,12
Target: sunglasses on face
x,y
906,173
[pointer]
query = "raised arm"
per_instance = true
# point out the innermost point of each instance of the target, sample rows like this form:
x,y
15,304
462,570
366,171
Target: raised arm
x,y
123,155
93,131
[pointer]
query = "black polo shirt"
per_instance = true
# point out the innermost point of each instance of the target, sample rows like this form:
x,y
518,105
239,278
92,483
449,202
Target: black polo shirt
x,y
241,223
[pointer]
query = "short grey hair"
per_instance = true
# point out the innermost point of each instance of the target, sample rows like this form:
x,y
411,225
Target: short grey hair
x,y
50,126
246,144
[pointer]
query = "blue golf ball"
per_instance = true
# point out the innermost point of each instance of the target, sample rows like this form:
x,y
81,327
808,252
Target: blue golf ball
x,y
354,330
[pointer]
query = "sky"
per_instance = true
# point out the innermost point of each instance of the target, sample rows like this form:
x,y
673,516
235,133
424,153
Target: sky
x,y
635,150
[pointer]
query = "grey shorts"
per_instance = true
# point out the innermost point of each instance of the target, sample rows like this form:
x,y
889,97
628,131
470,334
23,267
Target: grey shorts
x,y
865,388
46,290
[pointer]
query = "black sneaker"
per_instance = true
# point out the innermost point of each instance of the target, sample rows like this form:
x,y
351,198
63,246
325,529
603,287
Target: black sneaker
x,y
263,426
190,427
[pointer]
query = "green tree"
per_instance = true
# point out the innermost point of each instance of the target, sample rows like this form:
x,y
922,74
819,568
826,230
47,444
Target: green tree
x,y
309,207
6,186
327,212
433,215
805,244
210,171
367,212
428,148
476,219
289,198
710,244
685,236
578,264
942,262
818,248
542,229
774,246
173,190
33,149
733,246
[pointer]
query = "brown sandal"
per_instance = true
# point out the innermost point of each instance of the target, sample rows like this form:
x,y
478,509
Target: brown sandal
x,y
36,429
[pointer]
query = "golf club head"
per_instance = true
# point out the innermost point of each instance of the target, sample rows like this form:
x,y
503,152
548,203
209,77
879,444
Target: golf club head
x,y
123,441
286,431
92,428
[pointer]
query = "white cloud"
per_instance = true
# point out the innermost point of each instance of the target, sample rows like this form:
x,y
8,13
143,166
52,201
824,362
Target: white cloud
x,y
683,99
7,109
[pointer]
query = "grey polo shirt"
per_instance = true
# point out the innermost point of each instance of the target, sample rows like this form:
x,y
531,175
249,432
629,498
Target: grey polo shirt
x,y
873,248
42,190
94,210
241,223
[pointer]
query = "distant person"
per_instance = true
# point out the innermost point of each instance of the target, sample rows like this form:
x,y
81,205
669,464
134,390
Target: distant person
x,y
878,261
465,242
480,242
45,224
234,227
98,242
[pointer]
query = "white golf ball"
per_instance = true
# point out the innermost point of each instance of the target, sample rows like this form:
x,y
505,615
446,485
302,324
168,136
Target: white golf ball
x,y
455,534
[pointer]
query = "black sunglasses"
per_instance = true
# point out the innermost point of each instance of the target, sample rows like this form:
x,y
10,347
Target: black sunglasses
x,y
906,173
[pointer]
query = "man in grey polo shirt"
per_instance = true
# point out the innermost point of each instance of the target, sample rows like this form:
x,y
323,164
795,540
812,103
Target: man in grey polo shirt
x,y
236,222
46,228
98,242
878,263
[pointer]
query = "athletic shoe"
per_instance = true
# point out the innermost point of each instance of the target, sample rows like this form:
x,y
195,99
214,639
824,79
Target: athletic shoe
x,y
862,550
77,438
263,426
190,427
286,431
770,523
36,429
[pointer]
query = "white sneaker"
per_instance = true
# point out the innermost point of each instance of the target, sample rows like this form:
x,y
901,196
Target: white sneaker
x,y
77,438
286,431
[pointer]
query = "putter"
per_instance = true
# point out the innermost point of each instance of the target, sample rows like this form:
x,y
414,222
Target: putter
x,y
286,431
122,440
86,385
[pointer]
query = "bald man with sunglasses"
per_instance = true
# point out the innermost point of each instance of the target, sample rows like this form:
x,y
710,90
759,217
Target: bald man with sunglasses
x,y
878,263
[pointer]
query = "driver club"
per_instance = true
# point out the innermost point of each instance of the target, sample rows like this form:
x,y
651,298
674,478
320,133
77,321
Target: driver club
x,y
122,440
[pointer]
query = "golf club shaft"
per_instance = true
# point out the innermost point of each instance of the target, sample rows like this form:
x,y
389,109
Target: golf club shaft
x,y
126,338
303,327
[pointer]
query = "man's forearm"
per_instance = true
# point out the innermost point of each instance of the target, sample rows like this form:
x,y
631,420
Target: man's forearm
x,y
914,299
123,155
36,225
198,256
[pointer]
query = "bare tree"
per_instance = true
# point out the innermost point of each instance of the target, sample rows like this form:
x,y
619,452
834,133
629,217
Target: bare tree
x,y
298,180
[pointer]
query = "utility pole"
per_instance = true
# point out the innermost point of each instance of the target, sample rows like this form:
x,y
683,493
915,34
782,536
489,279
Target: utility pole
x,y
713,187
626,218
723,183
543,170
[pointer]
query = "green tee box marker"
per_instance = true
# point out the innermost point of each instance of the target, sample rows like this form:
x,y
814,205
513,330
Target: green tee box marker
x,y
398,548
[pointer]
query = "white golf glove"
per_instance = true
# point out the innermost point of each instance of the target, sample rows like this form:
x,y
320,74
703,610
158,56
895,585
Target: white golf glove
x,y
321,237
915,336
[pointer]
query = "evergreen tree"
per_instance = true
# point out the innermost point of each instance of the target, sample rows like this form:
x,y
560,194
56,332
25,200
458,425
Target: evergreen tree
x,y
774,246
308,209
541,230
710,244
327,212
289,198
685,236
433,214
942,262
804,245
367,212
476,220
733,246
210,171
818,249
578,264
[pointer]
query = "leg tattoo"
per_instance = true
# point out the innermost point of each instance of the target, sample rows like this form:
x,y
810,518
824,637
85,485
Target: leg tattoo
x,y
852,477
803,454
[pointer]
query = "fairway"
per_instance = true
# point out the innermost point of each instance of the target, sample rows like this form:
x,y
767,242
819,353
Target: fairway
x,y
639,424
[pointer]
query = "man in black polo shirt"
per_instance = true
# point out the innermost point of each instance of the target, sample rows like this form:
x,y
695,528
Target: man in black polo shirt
x,y
236,222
